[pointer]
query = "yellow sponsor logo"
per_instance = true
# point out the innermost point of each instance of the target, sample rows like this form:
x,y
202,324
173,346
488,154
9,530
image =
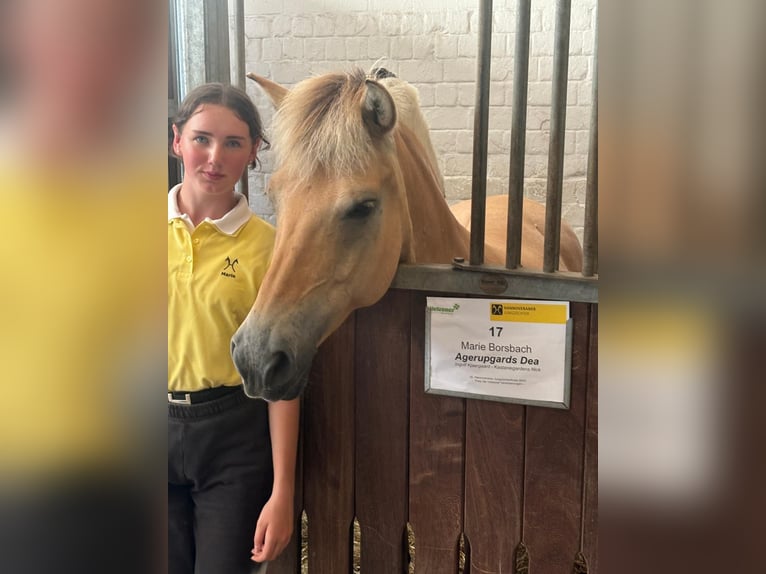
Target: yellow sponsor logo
x,y
527,312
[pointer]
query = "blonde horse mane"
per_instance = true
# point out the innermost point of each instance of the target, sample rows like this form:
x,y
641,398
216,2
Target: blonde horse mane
x,y
319,128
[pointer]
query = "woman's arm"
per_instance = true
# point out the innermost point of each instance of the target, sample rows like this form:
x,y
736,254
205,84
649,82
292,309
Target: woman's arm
x,y
275,525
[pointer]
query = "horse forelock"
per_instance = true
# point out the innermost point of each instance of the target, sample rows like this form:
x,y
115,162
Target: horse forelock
x,y
319,127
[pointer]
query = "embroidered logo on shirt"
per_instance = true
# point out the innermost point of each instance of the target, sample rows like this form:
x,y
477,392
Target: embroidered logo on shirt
x,y
230,264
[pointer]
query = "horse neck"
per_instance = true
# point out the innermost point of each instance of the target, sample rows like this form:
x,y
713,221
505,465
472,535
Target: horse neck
x,y
437,236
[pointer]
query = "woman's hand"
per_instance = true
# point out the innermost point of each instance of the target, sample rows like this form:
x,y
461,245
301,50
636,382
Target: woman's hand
x,y
274,528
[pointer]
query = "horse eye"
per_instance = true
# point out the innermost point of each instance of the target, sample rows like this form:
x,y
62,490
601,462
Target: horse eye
x,y
361,210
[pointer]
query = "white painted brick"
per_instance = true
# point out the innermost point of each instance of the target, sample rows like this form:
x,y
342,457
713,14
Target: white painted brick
x,y
282,25
457,164
588,42
378,47
496,93
434,23
575,42
446,46
535,21
582,142
503,21
302,27
426,72
401,48
464,143
575,165
345,24
467,46
324,26
572,93
336,49
413,24
446,95
444,141
457,22
578,67
582,17
466,94
538,117
449,119
569,143
458,187
501,70
253,49
548,18
536,166
423,47
272,49
427,94
537,142
539,94
390,24
315,49
263,6
292,48
356,48
290,72
578,118
545,69
497,165
367,25
460,70
541,44
535,188
500,118
498,142
257,27
500,46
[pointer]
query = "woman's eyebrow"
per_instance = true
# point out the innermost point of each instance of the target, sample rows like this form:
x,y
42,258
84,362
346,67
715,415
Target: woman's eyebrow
x,y
231,137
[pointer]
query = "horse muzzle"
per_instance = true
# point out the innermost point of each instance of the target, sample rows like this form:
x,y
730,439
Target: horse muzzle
x,y
269,367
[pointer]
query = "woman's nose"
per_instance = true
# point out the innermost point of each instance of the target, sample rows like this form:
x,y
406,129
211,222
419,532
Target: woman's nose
x,y
214,155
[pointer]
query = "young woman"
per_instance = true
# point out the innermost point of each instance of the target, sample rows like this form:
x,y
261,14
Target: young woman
x,y
231,459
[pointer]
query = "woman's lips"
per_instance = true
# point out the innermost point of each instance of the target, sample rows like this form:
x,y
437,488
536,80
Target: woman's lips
x,y
213,175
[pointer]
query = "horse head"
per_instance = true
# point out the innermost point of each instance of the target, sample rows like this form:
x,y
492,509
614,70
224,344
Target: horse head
x,y
343,225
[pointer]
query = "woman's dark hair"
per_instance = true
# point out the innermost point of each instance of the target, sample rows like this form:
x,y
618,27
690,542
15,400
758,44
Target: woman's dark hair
x,y
225,95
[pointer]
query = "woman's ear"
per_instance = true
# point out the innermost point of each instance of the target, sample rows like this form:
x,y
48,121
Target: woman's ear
x,y
176,141
254,151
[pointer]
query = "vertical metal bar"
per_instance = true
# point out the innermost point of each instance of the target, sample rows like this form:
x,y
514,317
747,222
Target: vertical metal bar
x,y
590,235
217,66
518,135
480,134
558,127
239,72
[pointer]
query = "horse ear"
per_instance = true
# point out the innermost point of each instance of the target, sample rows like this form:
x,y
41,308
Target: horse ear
x,y
276,92
378,109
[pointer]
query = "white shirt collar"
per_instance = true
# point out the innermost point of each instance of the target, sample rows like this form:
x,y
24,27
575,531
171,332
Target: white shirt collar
x,y
228,224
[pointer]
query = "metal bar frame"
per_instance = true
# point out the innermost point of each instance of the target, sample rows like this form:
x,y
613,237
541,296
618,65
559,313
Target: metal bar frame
x,y
480,134
518,135
558,130
590,235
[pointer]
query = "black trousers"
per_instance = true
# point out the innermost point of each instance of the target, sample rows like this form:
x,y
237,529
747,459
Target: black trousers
x,y
219,477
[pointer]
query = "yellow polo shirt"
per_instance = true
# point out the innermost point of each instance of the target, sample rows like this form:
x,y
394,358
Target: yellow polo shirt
x,y
214,273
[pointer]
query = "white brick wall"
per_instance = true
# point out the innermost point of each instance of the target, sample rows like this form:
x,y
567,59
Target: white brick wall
x,y
432,44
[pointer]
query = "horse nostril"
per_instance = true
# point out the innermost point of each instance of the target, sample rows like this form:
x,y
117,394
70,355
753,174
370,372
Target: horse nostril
x,y
233,346
277,368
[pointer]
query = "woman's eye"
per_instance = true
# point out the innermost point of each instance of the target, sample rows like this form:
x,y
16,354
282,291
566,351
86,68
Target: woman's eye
x,y
234,143
361,210
200,139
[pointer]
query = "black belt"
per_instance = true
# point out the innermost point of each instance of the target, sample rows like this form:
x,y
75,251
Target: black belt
x,y
204,396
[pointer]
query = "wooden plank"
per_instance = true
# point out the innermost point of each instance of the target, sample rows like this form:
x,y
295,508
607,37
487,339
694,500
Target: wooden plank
x,y
382,380
289,562
329,454
554,444
590,519
493,484
437,438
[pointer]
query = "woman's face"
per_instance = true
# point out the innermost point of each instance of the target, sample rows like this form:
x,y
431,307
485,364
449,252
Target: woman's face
x,y
215,147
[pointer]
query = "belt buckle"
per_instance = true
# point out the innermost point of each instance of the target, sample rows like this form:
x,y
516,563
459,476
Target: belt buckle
x,y
184,401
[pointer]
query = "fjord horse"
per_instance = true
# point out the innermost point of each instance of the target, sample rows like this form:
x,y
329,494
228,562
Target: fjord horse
x,y
356,193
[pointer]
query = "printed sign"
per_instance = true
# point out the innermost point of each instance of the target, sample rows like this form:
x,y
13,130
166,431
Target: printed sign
x,y
506,350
